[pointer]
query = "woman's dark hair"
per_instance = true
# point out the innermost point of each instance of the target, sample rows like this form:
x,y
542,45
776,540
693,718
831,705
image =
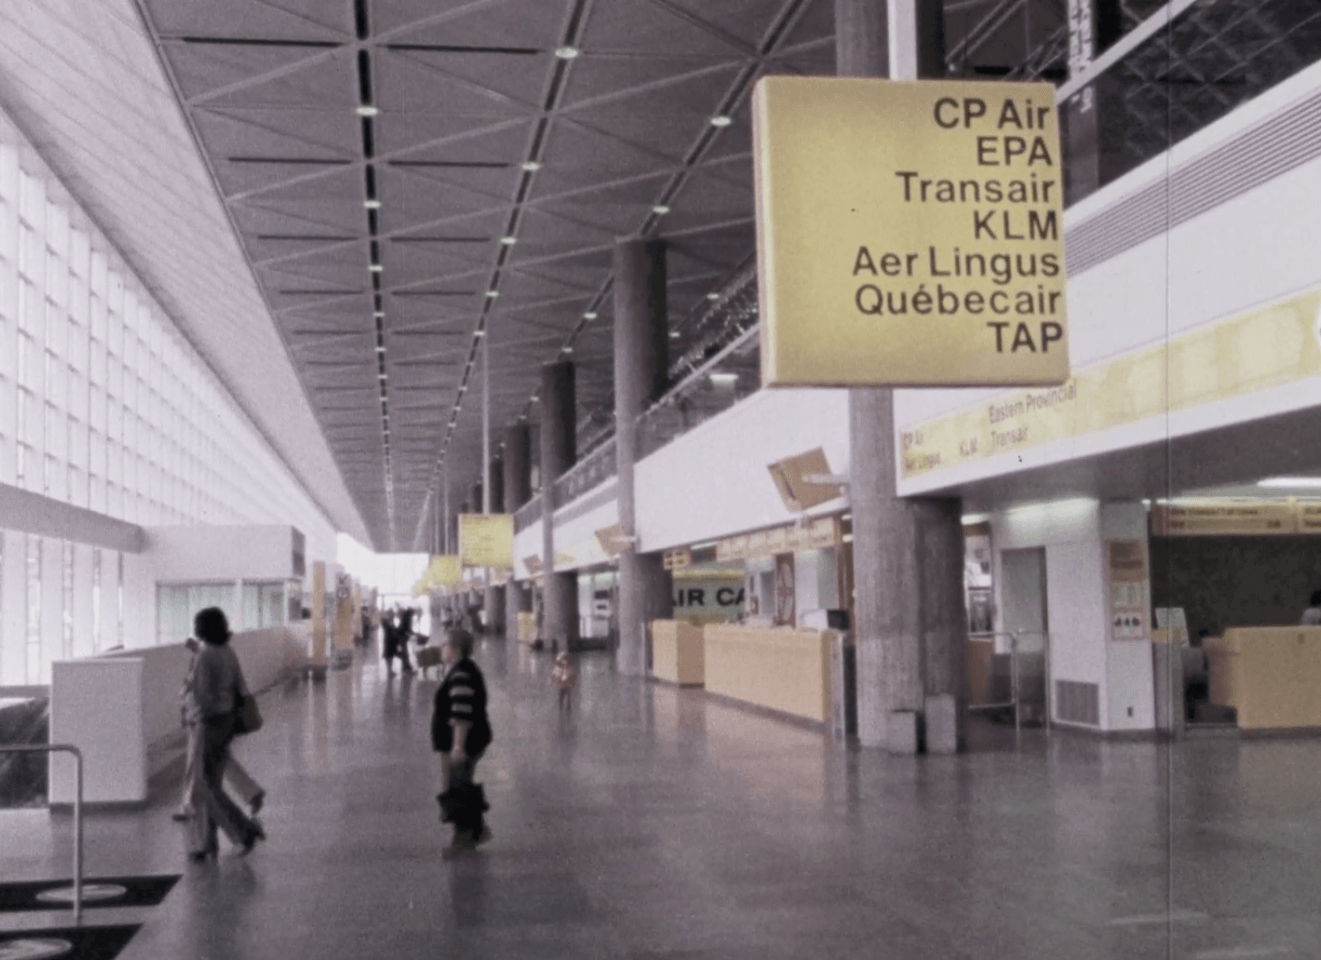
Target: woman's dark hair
x,y
461,640
1316,599
211,626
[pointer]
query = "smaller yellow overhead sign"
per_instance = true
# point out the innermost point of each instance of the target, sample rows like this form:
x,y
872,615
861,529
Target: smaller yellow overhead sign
x,y
486,539
909,233
442,571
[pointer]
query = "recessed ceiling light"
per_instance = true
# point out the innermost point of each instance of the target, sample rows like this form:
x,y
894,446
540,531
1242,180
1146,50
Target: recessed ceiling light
x,y
376,268
372,204
531,166
720,120
589,315
382,376
492,294
660,209
713,296
480,333
378,314
674,334
568,349
567,53
367,110
380,349
509,241
724,378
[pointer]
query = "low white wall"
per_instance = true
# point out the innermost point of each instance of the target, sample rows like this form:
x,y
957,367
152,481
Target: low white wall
x,y
266,656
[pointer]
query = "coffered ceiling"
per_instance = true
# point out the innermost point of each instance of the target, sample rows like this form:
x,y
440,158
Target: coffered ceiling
x,y
412,179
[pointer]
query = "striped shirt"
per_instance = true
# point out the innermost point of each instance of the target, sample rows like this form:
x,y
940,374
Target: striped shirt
x,y
461,698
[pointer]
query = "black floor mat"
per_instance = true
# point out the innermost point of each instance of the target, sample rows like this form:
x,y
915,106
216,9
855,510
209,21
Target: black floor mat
x,y
138,892
88,943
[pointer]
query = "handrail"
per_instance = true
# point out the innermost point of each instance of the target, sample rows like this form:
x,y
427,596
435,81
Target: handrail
x,y
1015,700
77,810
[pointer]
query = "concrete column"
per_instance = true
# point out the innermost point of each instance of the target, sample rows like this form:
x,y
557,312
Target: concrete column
x,y
517,482
641,360
907,554
494,601
558,446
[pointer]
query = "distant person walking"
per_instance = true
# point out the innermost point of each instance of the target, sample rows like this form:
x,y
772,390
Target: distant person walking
x,y
564,677
460,734
218,685
239,778
397,629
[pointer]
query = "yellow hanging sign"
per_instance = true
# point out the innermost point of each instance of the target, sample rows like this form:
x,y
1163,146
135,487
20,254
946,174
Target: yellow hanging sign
x,y
486,539
909,233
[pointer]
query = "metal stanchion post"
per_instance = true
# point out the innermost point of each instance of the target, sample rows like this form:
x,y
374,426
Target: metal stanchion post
x,y
1013,686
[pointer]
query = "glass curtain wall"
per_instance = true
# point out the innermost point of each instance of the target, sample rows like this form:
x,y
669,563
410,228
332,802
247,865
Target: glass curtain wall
x,y
103,406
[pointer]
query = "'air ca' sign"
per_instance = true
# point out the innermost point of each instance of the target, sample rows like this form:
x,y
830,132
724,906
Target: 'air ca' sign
x,y
909,233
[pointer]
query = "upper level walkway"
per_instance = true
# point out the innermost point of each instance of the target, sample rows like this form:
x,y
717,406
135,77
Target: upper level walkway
x,y
658,823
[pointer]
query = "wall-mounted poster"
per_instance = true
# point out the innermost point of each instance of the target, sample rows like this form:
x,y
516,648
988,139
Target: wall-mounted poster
x,y
1128,590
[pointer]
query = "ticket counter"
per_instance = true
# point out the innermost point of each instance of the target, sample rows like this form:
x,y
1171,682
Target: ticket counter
x,y
778,667
677,653
1271,676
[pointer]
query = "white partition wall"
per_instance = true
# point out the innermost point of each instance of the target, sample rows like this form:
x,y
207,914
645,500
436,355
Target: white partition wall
x,y
97,706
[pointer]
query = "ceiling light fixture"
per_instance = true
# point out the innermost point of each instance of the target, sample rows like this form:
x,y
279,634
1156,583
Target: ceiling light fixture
x,y
660,209
674,334
376,268
378,314
567,53
479,333
367,110
724,378
1290,482
380,349
589,315
509,241
492,294
372,204
713,296
531,166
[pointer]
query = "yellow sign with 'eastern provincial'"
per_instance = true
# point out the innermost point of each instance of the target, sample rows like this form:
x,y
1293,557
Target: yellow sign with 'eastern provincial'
x,y
909,233
1230,359
486,539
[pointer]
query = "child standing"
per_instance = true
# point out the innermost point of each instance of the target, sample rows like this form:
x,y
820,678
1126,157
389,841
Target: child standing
x,y
563,677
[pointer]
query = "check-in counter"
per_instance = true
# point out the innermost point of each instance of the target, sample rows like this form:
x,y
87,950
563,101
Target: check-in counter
x,y
1271,676
677,652
780,668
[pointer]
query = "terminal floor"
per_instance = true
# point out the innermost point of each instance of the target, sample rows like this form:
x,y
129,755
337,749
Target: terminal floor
x,y
655,823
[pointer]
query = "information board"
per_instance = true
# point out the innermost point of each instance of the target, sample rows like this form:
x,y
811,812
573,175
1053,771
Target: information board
x,y
909,233
486,539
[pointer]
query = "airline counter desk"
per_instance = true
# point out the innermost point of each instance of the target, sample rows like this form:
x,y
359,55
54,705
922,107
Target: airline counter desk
x,y
1270,675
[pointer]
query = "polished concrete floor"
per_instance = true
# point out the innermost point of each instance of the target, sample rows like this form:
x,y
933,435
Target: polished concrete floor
x,y
654,823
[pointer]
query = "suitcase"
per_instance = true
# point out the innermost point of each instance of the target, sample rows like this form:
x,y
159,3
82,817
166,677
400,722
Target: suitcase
x,y
428,657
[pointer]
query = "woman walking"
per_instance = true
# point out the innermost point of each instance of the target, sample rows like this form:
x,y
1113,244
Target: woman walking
x,y
217,686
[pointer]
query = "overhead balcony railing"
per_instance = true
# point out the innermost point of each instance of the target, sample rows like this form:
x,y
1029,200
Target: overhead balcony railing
x,y
587,474
1180,70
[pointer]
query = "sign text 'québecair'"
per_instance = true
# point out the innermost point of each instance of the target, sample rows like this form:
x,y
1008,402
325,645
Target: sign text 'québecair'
x,y
909,233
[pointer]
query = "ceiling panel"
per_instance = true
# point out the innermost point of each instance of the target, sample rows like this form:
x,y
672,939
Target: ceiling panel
x,y
478,132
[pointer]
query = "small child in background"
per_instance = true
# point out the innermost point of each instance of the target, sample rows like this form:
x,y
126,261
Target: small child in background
x,y
563,677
